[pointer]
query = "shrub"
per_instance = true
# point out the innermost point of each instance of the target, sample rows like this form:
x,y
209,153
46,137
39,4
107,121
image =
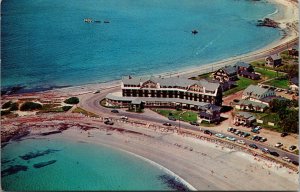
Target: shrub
x,y
66,108
6,105
5,112
14,107
28,106
72,100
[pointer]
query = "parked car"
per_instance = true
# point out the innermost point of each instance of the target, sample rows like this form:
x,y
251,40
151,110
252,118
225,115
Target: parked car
x,y
284,134
241,142
230,138
274,154
114,111
252,145
124,118
229,129
172,118
245,134
286,159
237,132
194,123
233,130
293,147
263,139
219,135
255,131
278,144
208,132
295,163
108,122
167,124
265,150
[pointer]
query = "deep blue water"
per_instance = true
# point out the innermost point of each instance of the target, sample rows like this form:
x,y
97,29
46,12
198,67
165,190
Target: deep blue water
x,y
78,166
46,42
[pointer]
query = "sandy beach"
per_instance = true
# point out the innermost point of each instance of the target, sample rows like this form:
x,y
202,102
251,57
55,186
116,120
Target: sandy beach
x,y
204,165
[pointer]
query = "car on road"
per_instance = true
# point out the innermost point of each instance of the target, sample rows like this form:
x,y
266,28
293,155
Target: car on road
x,y
284,134
108,122
167,124
172,118
124,118
252,145
241,142
194,123
278,144
285,158
208,132
230,138
274,153
293,147
263,139
114,111
265,150
219,135
295,163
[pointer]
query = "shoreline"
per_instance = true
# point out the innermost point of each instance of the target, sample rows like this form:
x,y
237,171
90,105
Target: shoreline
x,y
289,14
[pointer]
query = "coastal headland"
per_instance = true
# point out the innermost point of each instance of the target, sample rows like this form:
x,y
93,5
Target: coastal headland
x,y
204,163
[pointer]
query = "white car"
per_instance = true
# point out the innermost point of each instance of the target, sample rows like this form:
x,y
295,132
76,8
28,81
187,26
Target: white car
x,y
219,135
241,142
278,144
286,159
124,118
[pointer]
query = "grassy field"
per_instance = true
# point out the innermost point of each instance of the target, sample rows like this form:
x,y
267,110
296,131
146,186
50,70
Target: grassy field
x,y
269,117
82,111
280,83
187,116
268,74
242,83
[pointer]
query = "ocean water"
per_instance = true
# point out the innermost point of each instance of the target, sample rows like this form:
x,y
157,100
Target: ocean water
x,y
46,43
78,166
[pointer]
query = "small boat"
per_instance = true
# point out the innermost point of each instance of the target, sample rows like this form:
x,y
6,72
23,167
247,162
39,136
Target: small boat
x,y
88,20
194,32
106,21
96,21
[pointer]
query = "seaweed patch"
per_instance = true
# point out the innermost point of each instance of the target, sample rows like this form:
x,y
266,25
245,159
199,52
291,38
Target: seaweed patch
x,y
43,164
32,155
173,183
13,170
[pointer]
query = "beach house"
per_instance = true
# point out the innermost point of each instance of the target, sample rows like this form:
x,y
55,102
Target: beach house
x,y
246,70
244,118
273,60
257,94
249,105
166,92
210,113
294,84
227,73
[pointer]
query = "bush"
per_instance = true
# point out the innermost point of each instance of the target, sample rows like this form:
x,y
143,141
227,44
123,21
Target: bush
x,y
66,108
28,106
14,107
72,100
6,105
5,112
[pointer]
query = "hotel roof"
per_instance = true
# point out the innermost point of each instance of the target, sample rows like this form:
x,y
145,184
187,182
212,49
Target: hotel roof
x,y
172,81
255,91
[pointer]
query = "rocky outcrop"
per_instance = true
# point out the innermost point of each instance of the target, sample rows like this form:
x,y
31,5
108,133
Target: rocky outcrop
x,y
267,22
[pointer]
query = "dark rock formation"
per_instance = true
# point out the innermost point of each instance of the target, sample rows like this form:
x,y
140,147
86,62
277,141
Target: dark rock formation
x,y
173,183
267,22
13,170
32,155
43,164
50,133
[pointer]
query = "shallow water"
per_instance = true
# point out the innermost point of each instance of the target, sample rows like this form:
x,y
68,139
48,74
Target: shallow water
x,y
78,166
46,43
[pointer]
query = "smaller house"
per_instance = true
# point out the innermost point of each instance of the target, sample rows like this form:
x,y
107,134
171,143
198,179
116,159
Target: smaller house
x,y
251,106
242,66
244,118
294,84
226,85
273,60
257,93
268,100
210,113
227,73
136,105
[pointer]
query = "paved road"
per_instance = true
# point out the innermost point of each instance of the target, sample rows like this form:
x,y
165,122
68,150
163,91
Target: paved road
x,y
91,102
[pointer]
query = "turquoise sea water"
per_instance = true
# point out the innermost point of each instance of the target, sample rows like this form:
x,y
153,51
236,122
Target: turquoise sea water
x,y
46,43
79,166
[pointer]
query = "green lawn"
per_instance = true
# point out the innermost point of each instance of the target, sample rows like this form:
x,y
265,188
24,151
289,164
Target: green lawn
x,y
280,83
269,117
187,116
267,74
242,83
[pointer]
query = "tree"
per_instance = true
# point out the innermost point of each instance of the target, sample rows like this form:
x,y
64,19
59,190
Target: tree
x,y
6,105
72,100
29,106
14,106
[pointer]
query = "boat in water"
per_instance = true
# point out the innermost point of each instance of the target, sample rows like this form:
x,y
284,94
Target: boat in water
x,y
88,20
106,21
97,21
194,32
